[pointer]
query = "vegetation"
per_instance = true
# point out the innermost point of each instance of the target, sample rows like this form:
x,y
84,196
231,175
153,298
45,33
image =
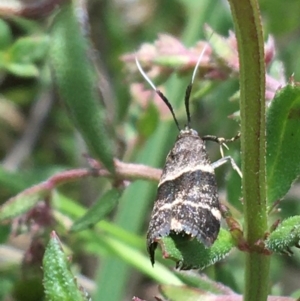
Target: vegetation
x,y
82,141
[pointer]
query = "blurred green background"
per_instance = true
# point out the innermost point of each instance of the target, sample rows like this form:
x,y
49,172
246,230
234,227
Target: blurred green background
x,y
38,139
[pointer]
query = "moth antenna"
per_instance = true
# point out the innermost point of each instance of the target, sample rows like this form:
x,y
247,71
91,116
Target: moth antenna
x,y
198,63
189,89
144,74
158,92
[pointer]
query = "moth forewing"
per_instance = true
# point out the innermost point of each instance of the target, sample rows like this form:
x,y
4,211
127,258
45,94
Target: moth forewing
x,y
187,197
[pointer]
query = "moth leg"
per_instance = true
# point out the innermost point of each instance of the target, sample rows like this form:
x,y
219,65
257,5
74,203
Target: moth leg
x,y
223,160
221,141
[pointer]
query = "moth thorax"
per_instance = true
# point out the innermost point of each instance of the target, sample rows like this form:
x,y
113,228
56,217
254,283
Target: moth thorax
x,y
187,155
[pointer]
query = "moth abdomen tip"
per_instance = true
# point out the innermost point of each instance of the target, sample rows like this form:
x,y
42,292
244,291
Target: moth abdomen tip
x,y
151,246
152,237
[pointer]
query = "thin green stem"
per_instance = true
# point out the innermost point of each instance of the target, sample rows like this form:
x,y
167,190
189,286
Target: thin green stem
x,y
248,27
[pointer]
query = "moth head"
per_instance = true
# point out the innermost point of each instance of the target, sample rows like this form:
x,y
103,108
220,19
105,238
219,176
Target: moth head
x,y
188,132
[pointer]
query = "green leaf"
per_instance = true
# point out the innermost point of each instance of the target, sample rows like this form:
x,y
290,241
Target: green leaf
x,y
5,231
59,282
5,35
22,70
23,202
148,121
20,59
72,209
283,142
220,45
77,82
98,211
13,181
138,259
29,49
201,281
191,254
179,293
285,236
296,294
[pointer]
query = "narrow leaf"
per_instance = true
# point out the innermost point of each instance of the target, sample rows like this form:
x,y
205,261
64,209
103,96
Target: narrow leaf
x,y
6,36
201,281
283,142
77,81
13,181
191,254
22,70
221,46
59,282
148,121
5,231
179,293
98,211
285,236
29,49
139,260
22,202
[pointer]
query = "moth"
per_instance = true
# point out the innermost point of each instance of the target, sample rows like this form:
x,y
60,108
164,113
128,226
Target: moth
x,y
187,199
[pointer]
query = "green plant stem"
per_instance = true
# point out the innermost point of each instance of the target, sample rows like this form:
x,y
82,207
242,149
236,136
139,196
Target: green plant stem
x,y
248,28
